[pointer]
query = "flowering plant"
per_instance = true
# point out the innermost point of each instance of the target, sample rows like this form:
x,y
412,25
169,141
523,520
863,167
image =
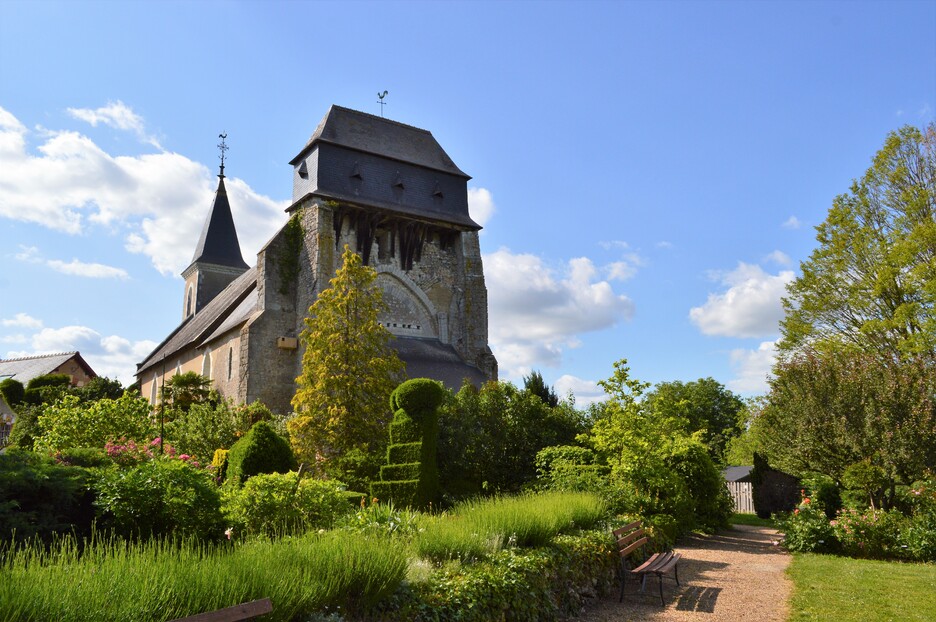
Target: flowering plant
x,y
807,530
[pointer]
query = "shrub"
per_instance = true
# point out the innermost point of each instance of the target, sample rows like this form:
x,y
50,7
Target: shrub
x,y
70,423
82,457
202,428
382,519
159,498
570,468
46,389
279,503
807,530
26,427
261,450
39,498
12,391
772,491
872,533
824,492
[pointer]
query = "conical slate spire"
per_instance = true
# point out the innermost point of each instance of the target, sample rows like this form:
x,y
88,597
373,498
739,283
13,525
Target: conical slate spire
x,y
218,243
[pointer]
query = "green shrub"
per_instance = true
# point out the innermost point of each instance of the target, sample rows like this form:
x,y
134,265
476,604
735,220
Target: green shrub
x,y
82,457
261,450
918,535
46,389
382,519
807,530
159,498
873,533
71,423
219,462
279,503
39,498
12,391
26,427
570,468
824,492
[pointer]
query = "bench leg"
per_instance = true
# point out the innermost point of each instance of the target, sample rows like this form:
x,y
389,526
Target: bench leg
x,y
662,602
676,572
623,583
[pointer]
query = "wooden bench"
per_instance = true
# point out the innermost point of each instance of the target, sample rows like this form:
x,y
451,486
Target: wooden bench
x,y
629,539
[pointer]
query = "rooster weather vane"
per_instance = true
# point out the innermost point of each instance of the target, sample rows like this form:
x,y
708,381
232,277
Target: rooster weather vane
x,y
380,100
222,147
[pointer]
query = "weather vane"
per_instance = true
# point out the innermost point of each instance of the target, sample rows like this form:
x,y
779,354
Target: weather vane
x,y
223,148
380,100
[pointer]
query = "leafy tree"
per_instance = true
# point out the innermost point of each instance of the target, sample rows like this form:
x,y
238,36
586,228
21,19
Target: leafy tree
x,y
740,449
69,423
871,283
706,404
535,384
828,412
348,370
207,427
489,437
99,387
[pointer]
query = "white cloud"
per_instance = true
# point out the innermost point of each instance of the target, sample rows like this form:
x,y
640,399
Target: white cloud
x,y
664,244
21,320
614,244
750,307
116,115
535,313
779,257
585,391
161,198
111,356
480,205
90,270
752,368
792,223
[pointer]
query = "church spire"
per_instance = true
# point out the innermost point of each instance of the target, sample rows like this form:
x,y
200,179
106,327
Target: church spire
x,y
217,260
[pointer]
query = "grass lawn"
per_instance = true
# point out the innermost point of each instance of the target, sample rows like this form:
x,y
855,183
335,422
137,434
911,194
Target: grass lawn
x,y
843,589
751,519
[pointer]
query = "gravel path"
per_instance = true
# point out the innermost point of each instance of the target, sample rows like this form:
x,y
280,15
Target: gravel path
x,y
734,576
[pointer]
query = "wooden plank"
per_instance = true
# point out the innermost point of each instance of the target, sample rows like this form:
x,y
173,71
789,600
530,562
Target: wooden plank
x,y
244,611
627,550
617,532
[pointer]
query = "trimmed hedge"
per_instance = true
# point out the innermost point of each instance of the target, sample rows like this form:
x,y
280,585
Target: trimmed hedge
x,y
261,450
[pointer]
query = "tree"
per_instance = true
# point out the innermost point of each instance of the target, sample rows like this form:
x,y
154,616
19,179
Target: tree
x,y
826,413
535,384
70,423
706,404
348,370
183,390
871,283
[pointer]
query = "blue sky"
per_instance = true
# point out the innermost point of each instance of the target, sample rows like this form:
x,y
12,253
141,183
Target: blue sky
x,y
649,174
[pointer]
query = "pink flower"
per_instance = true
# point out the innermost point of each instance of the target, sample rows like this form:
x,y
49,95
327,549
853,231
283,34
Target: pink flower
x,y
184,457
156,441
796,511
229,532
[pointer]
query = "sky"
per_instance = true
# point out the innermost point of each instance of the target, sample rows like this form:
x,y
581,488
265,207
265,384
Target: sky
x,y
649,175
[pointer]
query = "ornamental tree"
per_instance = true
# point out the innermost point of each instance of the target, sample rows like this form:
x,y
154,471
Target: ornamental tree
x,y
348,371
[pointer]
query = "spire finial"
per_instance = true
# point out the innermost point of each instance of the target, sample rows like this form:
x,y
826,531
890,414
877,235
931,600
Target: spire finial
x,y
223,147
380,100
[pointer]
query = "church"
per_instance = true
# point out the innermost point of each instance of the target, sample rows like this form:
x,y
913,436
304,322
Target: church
x,y
391,193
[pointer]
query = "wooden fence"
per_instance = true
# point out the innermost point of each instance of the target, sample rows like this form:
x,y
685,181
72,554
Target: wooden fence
x,y
741,492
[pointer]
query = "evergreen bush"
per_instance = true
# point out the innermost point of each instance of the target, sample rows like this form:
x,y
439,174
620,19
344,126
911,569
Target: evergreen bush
x,y
415,425
12,391
261,450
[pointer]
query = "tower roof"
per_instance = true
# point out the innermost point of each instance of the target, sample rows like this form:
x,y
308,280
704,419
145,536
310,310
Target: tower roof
x,y
218,243
379,136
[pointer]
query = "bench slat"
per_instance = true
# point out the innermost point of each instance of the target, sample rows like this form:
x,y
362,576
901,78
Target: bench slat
x,y
627,550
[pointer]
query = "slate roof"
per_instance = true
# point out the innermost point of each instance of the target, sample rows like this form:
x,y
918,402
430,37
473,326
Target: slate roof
x,y
430,358
218,242
738,473
28,367
378,136
196,328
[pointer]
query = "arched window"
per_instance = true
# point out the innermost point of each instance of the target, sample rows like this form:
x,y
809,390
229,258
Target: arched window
x,y
206,364
230,362
189,303
153,389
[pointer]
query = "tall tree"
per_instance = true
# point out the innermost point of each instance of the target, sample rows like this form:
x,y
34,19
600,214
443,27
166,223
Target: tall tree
x,y
871,283
706,404
535,384
348,370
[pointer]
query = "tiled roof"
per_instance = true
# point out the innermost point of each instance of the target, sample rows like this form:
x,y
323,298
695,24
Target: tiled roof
x,y
738,473
26,368
372,134
195,328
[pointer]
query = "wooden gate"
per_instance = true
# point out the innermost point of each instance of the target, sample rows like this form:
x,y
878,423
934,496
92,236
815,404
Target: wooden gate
x,y
741,492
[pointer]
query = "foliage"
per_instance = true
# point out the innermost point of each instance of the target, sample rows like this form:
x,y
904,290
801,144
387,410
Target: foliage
x,y
490,436
47,388
348,370
707,406
12,391
378,518
181,391
535,384
571,468
26,427
808,530
261,450
658,464
824,492
71,423
98,388
849,590
88,457
159,498
772,491
515,584
39,498
871,533
280,503
827,412
871,282
411,476
157,580
205,427
288,257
